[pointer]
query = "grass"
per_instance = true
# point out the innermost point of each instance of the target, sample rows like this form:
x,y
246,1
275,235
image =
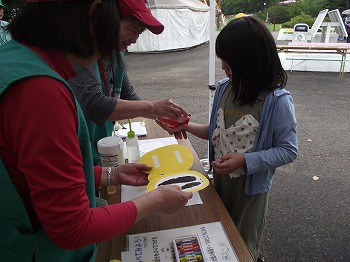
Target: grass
x,y
277,27
269,26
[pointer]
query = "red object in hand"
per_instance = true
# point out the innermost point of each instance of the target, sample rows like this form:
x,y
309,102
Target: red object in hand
x,y
170,123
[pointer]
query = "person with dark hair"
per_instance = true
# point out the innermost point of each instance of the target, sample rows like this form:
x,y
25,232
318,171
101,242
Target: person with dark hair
x,y
346,22
47,179
104,90
4,34
252,128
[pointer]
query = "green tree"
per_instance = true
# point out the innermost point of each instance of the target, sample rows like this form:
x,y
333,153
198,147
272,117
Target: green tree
x,y
302,18
338,4
278,14
312,7
230,7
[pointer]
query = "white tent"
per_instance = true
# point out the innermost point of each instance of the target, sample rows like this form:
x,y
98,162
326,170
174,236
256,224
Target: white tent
x,y
186,24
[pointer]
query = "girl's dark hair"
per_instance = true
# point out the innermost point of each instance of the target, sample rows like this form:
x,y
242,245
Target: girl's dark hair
x,y
249,48
69,27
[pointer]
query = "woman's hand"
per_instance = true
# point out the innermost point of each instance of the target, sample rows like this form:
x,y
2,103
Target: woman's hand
x,y
173,198
229,163
166,108
130,174
167,199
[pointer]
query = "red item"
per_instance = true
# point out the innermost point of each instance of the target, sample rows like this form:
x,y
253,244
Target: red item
x,y
139,10
136,8
170,123
44,1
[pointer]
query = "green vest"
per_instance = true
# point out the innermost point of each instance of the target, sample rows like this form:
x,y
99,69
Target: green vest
x,y
18,241
98,132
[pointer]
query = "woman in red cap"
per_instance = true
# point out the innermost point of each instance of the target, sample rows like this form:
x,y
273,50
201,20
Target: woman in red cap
x,y
103,89
47,180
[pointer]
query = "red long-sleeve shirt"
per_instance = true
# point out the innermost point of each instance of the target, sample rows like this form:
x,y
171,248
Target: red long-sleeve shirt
x,y
40,148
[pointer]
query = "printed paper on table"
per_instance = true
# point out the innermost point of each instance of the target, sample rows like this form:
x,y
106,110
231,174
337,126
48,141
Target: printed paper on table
x,y
157,246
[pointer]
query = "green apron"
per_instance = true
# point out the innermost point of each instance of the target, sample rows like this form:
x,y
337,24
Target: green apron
x,y
18,241
98,132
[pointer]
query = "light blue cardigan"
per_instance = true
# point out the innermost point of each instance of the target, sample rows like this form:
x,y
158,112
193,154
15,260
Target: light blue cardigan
x,y
276,143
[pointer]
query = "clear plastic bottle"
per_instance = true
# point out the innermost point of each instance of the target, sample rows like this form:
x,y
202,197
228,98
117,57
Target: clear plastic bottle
x,y
132,146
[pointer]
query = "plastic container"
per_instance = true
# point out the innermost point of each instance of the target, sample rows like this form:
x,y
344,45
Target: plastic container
x,y
132,146
188,248
111,154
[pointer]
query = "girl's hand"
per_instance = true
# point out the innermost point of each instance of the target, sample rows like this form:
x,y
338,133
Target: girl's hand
x,y
229,163
179,132
171,123
131,174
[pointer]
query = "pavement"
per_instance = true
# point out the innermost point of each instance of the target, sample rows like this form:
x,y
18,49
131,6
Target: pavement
x,y
309,205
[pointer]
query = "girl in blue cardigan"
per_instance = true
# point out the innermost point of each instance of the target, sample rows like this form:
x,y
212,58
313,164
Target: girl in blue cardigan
x,y
252,128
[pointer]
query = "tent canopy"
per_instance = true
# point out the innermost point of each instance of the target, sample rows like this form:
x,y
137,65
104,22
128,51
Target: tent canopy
x,y
194,5
186,25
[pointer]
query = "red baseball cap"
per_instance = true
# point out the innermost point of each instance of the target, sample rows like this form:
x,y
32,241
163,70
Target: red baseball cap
x,y
136,8
44,1
139,10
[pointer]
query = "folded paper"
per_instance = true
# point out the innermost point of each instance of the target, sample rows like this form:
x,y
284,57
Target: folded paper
x,y
170,166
